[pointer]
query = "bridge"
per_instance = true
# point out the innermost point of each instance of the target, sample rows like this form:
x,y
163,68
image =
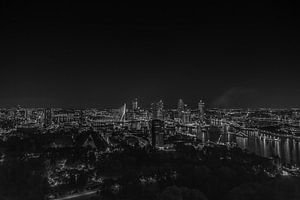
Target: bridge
x,y
236,129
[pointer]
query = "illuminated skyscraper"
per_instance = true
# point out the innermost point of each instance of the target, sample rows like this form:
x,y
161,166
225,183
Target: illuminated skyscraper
x,y
201,109
157,110
157,124
186,116
180,107
183,112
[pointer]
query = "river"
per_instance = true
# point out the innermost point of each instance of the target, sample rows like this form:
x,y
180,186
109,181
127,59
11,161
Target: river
x,y
287,149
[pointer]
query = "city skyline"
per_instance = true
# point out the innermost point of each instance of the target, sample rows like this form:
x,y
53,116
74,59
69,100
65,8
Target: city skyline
x,y
107,101
173,105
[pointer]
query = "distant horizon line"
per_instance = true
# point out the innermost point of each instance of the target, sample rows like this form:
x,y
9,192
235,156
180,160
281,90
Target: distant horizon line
x,y
211,108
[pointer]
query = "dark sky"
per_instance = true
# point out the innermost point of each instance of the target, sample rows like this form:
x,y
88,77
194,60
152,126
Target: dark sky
x,y
87,55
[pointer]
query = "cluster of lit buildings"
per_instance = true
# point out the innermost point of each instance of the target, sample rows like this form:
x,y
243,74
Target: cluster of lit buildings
x,y
154,122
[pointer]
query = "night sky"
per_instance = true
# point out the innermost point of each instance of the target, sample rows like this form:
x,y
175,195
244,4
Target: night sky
x,y
88,55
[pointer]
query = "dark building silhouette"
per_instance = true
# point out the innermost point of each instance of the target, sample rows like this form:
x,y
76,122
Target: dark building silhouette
x,y
92,139
157,132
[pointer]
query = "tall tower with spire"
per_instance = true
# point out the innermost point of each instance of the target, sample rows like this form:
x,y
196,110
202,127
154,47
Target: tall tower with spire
x,y
123,112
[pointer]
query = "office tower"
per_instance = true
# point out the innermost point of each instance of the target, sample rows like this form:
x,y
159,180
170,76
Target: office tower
x,y
160,106
135,104
180,107
201,109
157,110
186,116
47,117
157,133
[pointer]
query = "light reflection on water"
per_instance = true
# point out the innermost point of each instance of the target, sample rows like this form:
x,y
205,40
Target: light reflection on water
x,y
287,149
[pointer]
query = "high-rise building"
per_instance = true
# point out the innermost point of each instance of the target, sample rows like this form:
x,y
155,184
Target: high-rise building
x,y
186,116
47,117
180,106
135,104
157,133
201,106
157,110
180,109
201,109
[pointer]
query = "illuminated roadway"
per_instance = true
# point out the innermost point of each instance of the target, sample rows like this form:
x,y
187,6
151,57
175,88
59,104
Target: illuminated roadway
x,y
79,196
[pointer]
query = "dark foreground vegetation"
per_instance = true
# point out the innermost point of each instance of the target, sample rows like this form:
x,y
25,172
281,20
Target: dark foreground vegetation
x,y
144,173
